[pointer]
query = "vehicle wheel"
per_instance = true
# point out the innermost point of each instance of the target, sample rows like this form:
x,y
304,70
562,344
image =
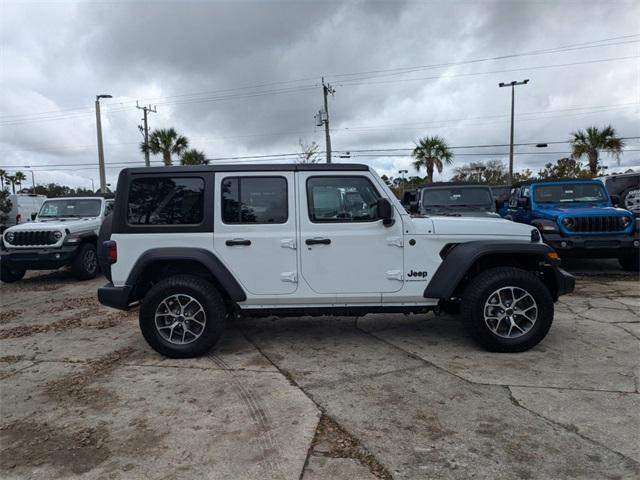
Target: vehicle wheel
x,y
630,262
11,274
85,265
630,199
182,316
507,309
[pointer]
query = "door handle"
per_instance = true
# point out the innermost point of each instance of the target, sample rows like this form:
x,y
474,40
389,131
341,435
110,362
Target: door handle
x,y
233,243
317,241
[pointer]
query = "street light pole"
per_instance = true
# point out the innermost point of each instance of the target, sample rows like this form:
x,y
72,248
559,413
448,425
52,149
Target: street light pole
x,y
402,173
33,179
103,177
512,85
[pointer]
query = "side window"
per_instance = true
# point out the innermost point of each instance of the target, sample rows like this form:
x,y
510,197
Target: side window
x,y
108,208
525,192
513,200
166,201
254,200
342,199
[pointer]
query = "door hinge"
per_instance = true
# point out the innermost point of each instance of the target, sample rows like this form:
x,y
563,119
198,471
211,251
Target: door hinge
x,y
289,277
397,241
288,243
394,275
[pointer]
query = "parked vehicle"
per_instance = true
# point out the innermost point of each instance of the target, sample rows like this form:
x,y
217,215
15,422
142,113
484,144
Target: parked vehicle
x,y
194,245
577,218
63,233
456,199
501,195
626,187
23,206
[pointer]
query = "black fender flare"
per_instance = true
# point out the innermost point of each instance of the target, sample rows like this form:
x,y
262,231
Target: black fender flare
x,y
212,263
461,257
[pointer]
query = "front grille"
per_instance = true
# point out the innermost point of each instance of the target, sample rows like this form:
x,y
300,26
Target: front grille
x,y
596,224
33,238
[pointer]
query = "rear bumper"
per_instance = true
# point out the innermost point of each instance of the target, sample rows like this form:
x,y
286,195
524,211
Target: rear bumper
x,y
115,297
607,246
39,258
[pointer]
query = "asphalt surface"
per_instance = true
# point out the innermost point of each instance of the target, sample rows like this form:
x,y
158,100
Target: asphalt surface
x,y
379,396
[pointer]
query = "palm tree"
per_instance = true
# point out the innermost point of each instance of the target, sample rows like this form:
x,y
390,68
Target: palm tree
x,y
590,141
20,177
193,157
10,180
165,141
432,152
3,174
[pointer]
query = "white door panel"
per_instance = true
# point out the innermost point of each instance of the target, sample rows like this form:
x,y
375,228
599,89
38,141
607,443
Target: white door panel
x,y
348,257
262,256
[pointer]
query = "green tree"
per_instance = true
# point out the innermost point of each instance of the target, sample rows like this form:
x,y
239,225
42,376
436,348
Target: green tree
x,y
3,174
591,141
20,177
10,180
5,206
493,172
432,153
193,157
564,168
165,141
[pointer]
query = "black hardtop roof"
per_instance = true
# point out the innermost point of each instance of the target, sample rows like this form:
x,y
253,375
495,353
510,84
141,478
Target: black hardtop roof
x,y
252,167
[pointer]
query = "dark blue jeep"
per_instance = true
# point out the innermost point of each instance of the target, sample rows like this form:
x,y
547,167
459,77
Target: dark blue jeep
x,y
577,218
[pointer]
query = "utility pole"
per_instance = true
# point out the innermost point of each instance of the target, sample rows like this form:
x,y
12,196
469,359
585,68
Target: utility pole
x,y
512,85
145,130
326,90
402,173
93,187
103,177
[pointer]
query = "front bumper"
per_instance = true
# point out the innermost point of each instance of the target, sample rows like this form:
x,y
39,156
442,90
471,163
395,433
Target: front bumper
x,y
38,258
565,282
115,297
606,246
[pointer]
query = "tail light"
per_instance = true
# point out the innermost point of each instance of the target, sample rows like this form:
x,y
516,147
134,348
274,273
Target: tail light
x,y
18,219
112,251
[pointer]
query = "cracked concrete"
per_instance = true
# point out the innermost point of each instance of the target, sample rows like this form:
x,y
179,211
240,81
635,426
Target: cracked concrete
x,y
413,396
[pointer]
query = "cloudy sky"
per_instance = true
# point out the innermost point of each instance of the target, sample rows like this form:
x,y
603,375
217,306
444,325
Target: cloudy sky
x,y
242,78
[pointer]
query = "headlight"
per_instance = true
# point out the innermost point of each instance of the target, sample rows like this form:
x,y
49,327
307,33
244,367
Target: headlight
x,y
625,221
568,222
535,235
56,236
10,236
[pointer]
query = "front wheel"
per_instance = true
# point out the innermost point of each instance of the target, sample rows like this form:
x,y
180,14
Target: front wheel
x,y
182,316
85,264
507,309
11,274
630,262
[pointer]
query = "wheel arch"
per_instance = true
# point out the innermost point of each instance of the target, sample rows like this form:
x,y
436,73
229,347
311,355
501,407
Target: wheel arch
x,y
462,262
158,263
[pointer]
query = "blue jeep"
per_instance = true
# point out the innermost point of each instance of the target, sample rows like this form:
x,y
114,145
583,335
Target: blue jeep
x,y
577,218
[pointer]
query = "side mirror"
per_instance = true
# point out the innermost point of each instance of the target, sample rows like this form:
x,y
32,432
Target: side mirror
x,y
523,202
385,212
34,215
615,199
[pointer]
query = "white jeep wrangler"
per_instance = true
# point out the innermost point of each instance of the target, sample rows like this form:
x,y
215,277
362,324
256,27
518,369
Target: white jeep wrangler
x,y
63,233
196,245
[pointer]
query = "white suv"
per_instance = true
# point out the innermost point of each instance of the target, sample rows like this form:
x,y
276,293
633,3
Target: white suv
x,y
63,233
195,245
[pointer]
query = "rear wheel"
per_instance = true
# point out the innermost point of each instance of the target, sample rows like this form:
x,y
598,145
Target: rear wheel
x,y
507,309
85,265
630,262
11,274
182,316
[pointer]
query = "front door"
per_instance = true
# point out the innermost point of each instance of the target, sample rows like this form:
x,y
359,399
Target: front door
x,y
255,230
344,247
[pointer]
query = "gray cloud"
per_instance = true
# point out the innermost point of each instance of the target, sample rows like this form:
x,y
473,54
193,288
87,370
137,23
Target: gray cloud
x,y
194,58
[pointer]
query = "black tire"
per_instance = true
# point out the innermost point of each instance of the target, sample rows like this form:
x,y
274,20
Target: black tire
x,y
211,303
85,264
630,262
11,274
482,287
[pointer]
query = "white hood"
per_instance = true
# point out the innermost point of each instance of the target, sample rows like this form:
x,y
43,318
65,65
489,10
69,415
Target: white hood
x,y
74,225
480,226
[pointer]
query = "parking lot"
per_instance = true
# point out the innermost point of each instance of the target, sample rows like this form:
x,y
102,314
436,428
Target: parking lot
x,y
379,396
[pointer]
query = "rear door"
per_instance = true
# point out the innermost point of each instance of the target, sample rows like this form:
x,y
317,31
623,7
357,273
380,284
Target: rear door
x,y
255,229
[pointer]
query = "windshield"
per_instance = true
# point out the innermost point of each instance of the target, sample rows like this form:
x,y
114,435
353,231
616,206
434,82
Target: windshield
x,y
70,208
575,192
456,197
